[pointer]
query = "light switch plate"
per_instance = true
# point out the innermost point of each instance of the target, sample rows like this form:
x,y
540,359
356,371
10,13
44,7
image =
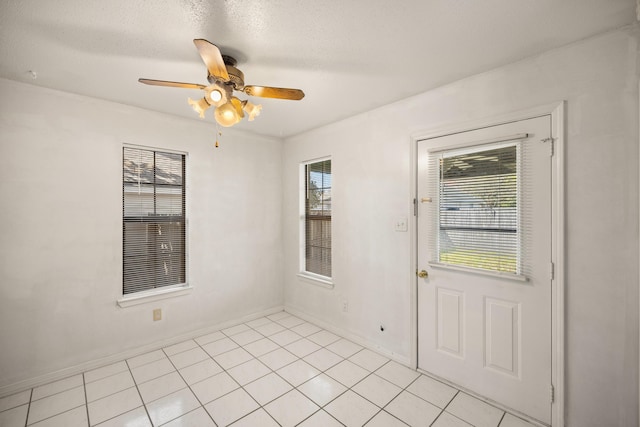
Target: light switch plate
x,y
401,224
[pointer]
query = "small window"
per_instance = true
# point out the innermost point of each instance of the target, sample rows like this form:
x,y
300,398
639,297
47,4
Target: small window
x,y
478,211
316,258
153,232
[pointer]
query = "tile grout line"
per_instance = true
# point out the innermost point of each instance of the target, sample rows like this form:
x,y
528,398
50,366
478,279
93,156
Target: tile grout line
x,y
404,389
229,336
54,415
445,407
224,371
272,371
504,414
26,420
86,399
322,407
281,367
325,347
260,406
57,392
381,409
107,395
320,410
188,386
370,373
139,394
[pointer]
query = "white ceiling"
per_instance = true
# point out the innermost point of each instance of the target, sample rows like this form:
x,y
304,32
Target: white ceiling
x,y
348,56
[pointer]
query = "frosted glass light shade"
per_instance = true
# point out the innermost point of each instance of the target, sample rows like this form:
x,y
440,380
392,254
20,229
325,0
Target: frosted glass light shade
x,y
251,109
230,113
217,94
199,106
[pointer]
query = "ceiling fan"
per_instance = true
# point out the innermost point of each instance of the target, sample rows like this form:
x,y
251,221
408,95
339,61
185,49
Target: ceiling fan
x,y
224,78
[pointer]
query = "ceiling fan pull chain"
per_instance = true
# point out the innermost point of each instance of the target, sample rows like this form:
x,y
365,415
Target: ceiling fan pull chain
x,y
218,133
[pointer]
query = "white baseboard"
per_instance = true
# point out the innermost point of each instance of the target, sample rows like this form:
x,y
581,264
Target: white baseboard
x,y
97,363
373,346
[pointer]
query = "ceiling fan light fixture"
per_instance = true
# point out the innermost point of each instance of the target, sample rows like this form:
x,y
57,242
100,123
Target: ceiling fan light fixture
x,y
229,113
217,94
199,106
251,109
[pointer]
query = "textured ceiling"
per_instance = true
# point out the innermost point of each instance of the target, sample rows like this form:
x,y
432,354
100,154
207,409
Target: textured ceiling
x,y
349,56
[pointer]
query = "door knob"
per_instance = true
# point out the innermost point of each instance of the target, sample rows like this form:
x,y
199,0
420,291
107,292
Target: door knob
x,y
422,274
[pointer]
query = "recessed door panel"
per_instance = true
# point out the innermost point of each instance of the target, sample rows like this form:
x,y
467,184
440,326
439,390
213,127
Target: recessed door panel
x,y
502,335
450,322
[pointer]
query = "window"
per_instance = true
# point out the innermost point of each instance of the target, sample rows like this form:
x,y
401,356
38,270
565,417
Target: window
x,y
478,210
317,218
153,232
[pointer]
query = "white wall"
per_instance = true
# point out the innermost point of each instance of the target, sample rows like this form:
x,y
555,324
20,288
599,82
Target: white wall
x,y
371,174
61,229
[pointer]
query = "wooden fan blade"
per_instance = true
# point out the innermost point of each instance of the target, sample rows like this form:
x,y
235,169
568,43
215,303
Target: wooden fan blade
x,y
212,59
274,92
171,84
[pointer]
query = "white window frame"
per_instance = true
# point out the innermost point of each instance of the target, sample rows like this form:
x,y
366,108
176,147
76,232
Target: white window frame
x,y
308,276
164,292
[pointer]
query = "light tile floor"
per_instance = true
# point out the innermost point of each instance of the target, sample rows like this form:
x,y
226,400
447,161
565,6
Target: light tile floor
x,y
274,371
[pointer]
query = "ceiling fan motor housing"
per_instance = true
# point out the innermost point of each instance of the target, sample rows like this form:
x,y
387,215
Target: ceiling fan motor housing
x,y
236,77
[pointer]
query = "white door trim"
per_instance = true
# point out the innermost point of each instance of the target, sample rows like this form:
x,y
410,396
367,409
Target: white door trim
x,y
557,112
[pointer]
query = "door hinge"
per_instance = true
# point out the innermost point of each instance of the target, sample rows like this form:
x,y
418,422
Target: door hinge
x,y
552,391
552,271
415,207
550,141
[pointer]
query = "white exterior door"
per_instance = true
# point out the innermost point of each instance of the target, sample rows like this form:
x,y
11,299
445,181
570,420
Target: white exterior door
x,y
484,238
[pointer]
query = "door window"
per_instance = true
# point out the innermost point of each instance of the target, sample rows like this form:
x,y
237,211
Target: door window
x,y
478,209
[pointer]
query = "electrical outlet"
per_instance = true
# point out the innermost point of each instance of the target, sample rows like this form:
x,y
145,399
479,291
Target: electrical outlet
x,y
157,314
345,305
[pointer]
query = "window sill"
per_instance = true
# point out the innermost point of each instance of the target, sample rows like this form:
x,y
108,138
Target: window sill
x,y
325,282
151,296
509,276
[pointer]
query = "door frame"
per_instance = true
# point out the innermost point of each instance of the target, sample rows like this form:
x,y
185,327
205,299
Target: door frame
x,y
557,112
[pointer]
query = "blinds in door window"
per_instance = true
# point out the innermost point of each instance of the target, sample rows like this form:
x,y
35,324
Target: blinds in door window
x,y
317,222
153,200
479,209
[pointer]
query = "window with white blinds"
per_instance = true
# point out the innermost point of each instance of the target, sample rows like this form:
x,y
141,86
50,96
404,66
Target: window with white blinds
x,y
317,218
153,232
479,212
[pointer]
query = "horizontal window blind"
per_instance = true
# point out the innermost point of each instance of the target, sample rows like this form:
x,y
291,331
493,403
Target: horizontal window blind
x,y
153,204
317,218
479,217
